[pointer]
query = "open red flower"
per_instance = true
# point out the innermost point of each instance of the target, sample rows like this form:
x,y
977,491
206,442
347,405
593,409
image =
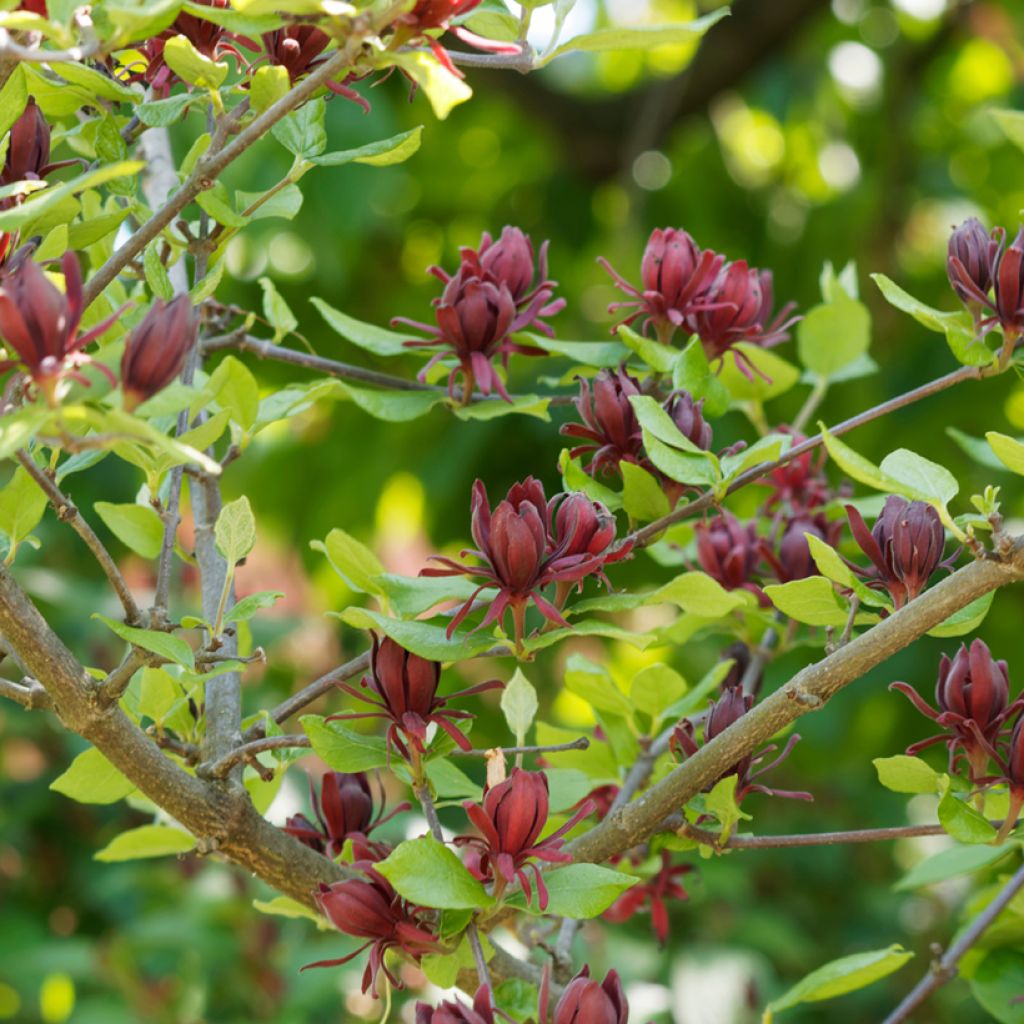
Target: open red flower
x,y
663,885
729,552
344,810
453,1012
586,1001
510,819
521,556
372,910
609,426
40,324
404,688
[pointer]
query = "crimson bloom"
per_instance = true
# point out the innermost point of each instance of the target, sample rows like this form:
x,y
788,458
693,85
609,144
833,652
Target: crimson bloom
x,y
971,258
299,49
663,885
453,1012
905,547
372,910
586,1001
157,349
28,150
729,552
404,688
345,810
688,416
520,554
972,695
40,323
609,425
675,276
1008,279
792,560
799,483
510,819
730,707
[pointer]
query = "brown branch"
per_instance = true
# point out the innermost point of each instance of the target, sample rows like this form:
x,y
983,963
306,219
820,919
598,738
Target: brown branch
x,y
808,690
933,387
68,512
218,769
945,969
28,693
578,744
120,679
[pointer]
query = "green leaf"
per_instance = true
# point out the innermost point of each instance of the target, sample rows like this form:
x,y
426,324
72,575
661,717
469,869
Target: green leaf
x,y
92,779
698,594
251,604
431,875
721,802
833,335
579,891
657,422
422,638
657,356
519,705
440,86
163,113
764,449
642,496
836,978
996,984
355,563
967,619
233,21
903,774
285,906
577,479
646,37
410,596
343,749
384,153
920,475
235,530
584,353
961,821
285,203
217,203
451,783
268,85
234,388
961,860
682,466
863,470
656,688
366,336
162,698
276,310
302,132
593,684
166,645
147,841
492,408
138,527
398,406
22,504
812,601
976,448
97,84
693,373
13,99
191,66
1008,450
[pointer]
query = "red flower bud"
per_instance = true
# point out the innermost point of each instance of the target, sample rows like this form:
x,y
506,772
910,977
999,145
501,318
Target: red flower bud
x,y
156,350
586,1001
801,482
969,265
452,1012
437,13
582,526
1008,276
793,559
509,260
28,151
688,416
728,551
609,426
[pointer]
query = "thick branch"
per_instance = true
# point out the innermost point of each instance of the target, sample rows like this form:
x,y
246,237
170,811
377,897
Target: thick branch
x,y
68,512
808,690
220,768
28,693
945,969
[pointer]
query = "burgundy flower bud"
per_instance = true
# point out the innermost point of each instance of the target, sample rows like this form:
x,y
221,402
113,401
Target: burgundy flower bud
x,y
586,1001
793,559
295,48
1015,762
609,426
733,312
801,482
1008,275
156,350
452,1012
28,151
969,264
509,260
728,551
739,654
730,707
582,526
688,416
905,545
974,685
519,541
437,13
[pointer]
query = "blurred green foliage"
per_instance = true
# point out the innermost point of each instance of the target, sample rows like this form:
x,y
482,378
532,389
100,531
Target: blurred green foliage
x,y
862,133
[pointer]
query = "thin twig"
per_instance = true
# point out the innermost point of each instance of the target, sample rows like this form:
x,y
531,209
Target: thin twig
x,y
521,62
945,969
10,50
118,681
578,744
189,752
708,498
68,512
29,693
218,769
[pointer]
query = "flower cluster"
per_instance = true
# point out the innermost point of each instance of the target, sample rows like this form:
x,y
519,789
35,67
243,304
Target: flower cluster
x,y
499,289
345,811
369,908
510,820
730,707
652,893
403,688
527,544
685,287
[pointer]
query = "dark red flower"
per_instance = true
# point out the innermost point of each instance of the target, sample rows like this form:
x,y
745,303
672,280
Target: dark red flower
x,y
1008,279
609,426
28,149
521,556
586,1001
344,810
157,349
972,695
453,1012
792,560
404,688
662,886
801,482
435,14
475,316
40,323
688,416
372,910
581,526
972,257
299,49
731,706
905,546
675,276
510,819
729,552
